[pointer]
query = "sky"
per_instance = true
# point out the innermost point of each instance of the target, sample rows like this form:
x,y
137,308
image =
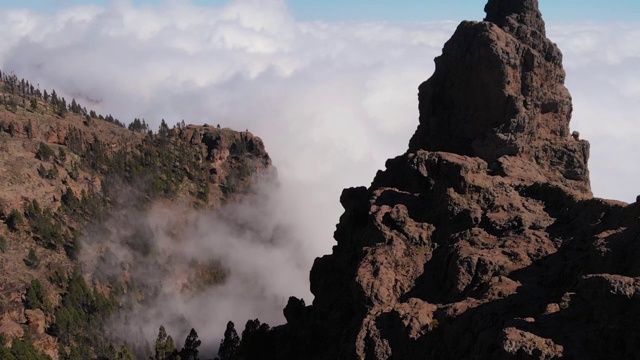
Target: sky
x,y
329,86
390,10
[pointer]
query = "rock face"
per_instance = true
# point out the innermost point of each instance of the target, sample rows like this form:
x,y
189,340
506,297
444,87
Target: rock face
x,y
483,241
498,89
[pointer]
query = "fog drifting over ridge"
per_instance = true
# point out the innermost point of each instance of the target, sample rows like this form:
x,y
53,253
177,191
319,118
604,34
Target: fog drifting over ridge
x,y
332,101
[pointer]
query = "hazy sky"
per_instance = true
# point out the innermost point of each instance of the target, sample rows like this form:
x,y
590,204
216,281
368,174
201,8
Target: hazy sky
x,y
393,10
332,99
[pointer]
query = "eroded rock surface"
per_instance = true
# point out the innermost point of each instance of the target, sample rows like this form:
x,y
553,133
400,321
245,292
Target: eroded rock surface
x,y
483,241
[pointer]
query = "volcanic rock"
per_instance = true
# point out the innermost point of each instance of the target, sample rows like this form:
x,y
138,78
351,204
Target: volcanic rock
x,y
498,89
36,321
483,240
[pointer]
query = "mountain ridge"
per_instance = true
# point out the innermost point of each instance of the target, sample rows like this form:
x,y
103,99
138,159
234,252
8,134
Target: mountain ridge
x,y
64,170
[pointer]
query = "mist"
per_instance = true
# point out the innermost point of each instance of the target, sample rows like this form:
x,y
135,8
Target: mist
x,y
185,268
332,101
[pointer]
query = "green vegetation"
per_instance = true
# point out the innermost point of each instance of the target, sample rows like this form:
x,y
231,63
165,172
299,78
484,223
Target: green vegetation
x,y
32,259
62,155
80,318
47,231
11,129
37,297
45,153
162,165
48,174
14,220
21,350
29,129
138,126
165,348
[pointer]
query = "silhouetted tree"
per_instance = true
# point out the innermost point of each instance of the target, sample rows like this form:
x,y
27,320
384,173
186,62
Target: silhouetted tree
x,y
255,340
190,349
75,108
230,345
54,98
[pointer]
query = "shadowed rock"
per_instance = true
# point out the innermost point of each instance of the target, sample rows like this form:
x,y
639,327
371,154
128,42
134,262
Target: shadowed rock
x,y
498,89
483,241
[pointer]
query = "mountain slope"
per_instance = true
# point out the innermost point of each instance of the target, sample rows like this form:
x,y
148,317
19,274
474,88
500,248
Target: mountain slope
x,y
64,170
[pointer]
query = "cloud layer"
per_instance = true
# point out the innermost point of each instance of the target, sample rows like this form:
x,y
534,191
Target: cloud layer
x,y
332,101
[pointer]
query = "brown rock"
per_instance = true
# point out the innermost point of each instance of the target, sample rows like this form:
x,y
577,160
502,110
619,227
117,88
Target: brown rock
x,y
498,90
522,344
483,240
48,345
36,321
10,329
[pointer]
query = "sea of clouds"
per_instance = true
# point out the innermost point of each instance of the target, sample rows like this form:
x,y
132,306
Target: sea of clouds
x,y
331,100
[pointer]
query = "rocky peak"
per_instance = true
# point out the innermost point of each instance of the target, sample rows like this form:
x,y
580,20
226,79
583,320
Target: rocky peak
x,y
498,90
507,13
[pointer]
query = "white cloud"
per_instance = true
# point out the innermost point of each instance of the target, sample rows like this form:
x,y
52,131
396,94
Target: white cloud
x,y
332,101
603,73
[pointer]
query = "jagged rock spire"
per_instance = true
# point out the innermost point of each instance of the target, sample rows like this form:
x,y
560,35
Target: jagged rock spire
x,y
498,89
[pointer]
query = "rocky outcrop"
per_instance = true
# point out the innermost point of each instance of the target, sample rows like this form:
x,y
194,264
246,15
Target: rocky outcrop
x,y
36,321
235,160
483,241
498,89
10,329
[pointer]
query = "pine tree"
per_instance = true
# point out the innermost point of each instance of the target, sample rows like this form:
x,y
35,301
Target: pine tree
x,y
125,353
170,351
14,220
32,259
11,129
54,98
161,342
190,349
75,108
230,344
29,129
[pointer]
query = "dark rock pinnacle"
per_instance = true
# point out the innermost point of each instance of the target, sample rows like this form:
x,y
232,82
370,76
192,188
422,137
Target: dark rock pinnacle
x,y
498,90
